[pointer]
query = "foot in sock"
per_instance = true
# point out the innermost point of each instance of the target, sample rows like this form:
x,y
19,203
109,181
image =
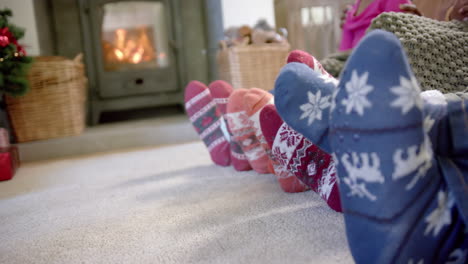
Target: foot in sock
x,y
303,99
237,121
270,123
205,118
309,60
401,201
298,158
254,101
221,91
251,138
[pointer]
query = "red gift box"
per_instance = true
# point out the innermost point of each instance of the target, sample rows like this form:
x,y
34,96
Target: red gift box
x,y
9,162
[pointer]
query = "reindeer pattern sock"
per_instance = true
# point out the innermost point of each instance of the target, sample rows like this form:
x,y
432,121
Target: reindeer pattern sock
x,y
206,120
406,201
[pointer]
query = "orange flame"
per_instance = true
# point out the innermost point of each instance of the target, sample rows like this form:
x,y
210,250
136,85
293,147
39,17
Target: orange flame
x,y
138,55
119,54
131,46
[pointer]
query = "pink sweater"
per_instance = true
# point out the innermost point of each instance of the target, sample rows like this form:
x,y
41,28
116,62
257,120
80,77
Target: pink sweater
x,y
355,27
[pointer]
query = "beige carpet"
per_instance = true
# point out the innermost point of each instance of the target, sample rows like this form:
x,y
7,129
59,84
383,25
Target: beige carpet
x,y
164,205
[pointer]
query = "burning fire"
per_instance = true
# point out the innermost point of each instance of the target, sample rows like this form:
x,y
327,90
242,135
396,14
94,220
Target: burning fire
x,y
130,46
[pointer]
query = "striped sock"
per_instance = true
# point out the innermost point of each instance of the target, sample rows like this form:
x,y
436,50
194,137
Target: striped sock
x,y
221,90
205,118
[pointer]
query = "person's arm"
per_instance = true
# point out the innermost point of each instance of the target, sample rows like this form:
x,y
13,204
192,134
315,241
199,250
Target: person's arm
x,y
458,11
411,9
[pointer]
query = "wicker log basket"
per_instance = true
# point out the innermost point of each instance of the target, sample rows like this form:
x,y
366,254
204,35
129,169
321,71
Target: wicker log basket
x,y
248,66
55,104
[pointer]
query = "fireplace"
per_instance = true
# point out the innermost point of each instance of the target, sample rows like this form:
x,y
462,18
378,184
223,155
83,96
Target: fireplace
x,y
129,43
138,53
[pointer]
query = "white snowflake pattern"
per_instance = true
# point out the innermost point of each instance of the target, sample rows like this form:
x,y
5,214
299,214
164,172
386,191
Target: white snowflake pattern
x,y
313,109
357,89
408,93
360,171
441,216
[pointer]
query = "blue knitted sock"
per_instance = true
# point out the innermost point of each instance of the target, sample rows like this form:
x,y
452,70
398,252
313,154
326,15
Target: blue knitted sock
x,y
303,100
397,206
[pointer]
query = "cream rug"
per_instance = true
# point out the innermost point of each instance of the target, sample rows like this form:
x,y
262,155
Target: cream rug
x,y
163,205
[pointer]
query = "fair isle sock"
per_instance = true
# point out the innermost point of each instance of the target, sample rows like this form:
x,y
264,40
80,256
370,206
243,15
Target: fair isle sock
x,y
403,200
205,118
299,157
309,60
221,91
270,123
254,101
237,121
303,100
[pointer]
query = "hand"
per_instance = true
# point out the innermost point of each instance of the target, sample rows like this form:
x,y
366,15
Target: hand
x,y
410,8
343,15
459,11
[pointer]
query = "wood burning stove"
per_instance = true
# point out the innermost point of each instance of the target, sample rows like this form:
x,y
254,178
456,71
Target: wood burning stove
x,y
131,51
138,53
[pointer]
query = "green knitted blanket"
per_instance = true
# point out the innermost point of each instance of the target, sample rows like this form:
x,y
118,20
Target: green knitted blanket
x,y
437,51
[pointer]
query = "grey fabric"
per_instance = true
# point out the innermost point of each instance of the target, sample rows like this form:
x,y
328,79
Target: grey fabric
x,y
164,205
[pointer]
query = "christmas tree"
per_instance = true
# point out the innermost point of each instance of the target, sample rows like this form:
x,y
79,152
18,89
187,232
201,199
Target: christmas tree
x,y
14,63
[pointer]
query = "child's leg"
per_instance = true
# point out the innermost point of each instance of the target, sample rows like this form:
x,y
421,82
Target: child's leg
x,y
398,207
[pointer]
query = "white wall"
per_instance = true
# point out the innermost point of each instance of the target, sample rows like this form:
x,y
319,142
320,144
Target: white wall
x,y
23,16
247,12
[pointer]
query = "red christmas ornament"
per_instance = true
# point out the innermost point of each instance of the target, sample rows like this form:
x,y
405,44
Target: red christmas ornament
x,y
6,37
4,41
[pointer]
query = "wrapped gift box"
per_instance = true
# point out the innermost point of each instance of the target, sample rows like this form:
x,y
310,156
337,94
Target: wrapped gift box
x,y
9,162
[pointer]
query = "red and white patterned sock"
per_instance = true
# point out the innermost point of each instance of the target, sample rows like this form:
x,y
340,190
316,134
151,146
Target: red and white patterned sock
x,y
254,101
321,176
299,157
237,121
205,118
270,123
309,60
221,91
